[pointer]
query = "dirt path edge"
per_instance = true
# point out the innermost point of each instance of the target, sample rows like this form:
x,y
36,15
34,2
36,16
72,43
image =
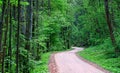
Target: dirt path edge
x,y
54,69
93,64
52,64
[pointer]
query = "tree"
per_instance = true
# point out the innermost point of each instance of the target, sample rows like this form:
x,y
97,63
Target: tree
x,y
110,26
18,37
10,37
1,23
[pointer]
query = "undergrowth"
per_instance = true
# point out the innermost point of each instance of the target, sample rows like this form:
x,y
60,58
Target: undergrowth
x,y
42,65
103,55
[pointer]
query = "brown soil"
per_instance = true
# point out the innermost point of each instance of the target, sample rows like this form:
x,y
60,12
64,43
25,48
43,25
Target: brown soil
x,y
52,64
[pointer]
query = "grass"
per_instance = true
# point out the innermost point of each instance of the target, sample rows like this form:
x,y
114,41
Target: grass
x,y
42,66
102,55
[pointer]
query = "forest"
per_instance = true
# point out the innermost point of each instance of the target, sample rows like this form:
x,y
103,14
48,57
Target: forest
x,y
32,30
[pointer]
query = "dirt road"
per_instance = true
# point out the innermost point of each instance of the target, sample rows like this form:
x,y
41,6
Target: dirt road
x,y
68,62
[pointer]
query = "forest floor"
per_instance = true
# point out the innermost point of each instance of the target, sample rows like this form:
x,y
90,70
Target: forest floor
x,y
69,62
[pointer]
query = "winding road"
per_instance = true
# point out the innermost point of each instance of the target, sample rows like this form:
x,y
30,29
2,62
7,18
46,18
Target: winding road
x,y
68,62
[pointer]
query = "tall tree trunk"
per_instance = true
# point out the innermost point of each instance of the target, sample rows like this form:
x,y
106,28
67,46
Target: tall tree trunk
x,y
110,25
5,38
48,43
18,35
29,27
1,33
10,40
1,23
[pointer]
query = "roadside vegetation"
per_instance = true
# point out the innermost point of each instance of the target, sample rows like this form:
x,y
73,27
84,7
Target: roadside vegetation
x,y
42,65
102,55
31,28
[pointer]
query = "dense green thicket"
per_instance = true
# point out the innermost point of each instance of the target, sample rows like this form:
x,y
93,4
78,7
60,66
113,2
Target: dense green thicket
x,y
95,22
92,31
42,65
30,28
90,22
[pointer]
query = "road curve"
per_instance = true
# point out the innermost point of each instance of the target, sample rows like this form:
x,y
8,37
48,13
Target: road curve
x,y
68,62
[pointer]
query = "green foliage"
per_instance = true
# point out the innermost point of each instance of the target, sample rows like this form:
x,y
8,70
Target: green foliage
x,y
51,25
56,27
103,55
24,3
0,2
60,5
41,66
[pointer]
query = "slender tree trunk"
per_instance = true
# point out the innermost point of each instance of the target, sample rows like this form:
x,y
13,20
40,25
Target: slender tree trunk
x,y
1,23
49,7
29,27
1,32
5,38
10,40
110,25
36,20
48,43
18,35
